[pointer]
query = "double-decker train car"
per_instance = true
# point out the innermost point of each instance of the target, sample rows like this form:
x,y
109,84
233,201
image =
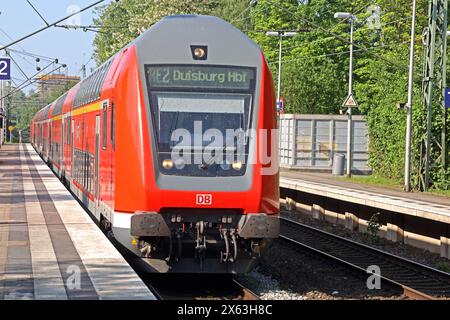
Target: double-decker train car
x,y
170,144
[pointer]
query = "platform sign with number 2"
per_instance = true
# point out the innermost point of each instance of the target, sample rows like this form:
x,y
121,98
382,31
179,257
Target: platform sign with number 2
x,y
5,69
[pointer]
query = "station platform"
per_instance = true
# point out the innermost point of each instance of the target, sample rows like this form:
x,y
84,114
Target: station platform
x,y
418,219
49,246
418,204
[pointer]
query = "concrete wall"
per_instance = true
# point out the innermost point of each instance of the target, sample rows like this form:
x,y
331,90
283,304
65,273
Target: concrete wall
x,y
310,141
415,231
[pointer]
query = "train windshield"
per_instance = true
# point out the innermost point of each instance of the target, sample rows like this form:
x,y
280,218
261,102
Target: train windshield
x,y
201,129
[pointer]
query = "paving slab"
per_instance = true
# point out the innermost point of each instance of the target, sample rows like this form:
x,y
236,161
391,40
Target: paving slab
x,y
416,204
50,249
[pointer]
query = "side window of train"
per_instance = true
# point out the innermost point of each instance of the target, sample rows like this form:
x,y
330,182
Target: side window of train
x,y
113,126
105,131
69,130
90,88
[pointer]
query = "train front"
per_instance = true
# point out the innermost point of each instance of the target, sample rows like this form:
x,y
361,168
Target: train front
x,y
207,157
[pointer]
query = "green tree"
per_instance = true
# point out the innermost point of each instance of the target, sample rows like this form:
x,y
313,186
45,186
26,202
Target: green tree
x,y
315,61
125,20
236,12
23,107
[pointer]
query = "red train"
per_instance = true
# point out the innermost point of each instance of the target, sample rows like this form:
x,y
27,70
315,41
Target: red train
x,y
170,145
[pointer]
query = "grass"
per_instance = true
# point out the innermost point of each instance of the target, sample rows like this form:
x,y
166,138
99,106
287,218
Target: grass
x,y
380,181
375,180
445,193
443,266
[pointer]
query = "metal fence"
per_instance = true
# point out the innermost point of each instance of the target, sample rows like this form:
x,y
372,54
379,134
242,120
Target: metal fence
x,y
310,141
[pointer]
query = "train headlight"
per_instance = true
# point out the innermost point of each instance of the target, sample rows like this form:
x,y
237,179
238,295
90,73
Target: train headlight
x,y
237,165
199,53
167,164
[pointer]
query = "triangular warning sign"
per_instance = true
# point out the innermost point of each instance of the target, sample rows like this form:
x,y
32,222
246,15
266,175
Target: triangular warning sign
x,y
350,101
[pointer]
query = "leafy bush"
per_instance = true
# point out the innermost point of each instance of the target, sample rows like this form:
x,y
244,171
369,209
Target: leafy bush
x,y
373,227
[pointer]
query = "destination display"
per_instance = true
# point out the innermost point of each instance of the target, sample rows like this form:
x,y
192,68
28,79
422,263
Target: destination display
x,y
200,77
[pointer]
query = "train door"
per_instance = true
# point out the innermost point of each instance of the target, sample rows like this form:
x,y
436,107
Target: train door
x,y
49,149
72,143
41,142
61,153
97,160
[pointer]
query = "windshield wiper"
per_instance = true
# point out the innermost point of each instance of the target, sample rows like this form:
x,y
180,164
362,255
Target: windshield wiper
x,y
173,124
205,165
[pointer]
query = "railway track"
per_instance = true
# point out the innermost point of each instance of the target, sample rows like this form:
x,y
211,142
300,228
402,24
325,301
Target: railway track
x,y
198,287
187,286
417,281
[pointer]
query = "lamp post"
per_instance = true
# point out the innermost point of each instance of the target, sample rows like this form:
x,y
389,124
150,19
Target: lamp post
x,y
3,114
281,35
351,18
407,186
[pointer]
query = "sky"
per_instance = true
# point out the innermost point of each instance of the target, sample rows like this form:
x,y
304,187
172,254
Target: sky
x,y
71,47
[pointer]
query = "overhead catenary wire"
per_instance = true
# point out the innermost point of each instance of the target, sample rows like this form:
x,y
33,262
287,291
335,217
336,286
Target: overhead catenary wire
x,y
34,55
250,4
36,10
337,36
326,39
18,79
354,11
76,26
383,24
89,28
18,67
50,25
335,26
257,10
21,87
340,53
29,81
11,39
84,65
357,11
32,80
94,30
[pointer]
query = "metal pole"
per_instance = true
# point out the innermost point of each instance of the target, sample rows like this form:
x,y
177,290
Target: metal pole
x,y
349,112
2,129
350,78
3,105
279,68
433,8
409,105
444,85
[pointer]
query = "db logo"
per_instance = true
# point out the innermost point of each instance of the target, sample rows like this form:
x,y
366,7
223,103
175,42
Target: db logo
x,y
203,199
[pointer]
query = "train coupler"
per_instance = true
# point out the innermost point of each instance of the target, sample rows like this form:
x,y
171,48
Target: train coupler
x,y
200,248
231,248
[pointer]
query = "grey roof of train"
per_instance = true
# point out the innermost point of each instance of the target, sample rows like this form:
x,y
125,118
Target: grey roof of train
x,y
176,25
169,40
172,25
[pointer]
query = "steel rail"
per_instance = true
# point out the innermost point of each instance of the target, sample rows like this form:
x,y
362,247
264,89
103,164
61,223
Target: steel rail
x,y
364,253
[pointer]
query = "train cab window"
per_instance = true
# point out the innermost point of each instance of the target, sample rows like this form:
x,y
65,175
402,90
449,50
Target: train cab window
x,y
105,127
220,98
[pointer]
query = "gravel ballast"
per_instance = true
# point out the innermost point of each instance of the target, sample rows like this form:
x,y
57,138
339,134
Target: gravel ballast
x,y
408,252
286,273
